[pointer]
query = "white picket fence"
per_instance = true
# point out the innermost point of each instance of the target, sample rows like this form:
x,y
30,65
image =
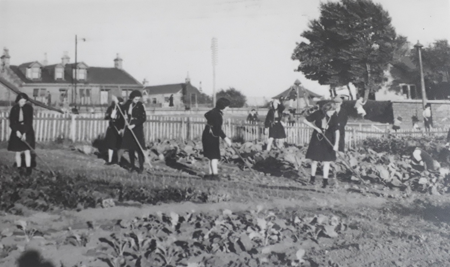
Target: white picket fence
x,y
88,127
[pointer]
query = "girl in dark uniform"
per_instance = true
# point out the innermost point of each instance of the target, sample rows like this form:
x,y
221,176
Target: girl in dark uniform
x,y
273,123
211,134
324,121
135,115
21,124
114,132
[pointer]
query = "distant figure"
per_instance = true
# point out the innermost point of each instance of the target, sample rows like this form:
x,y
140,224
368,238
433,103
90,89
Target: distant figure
x,y
171,101
397,122
427,117
252,116
49,99
273,123
359,107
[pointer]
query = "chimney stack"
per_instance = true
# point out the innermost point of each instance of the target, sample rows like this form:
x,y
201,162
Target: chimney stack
x,y
45,61
65,59
5,58
118,62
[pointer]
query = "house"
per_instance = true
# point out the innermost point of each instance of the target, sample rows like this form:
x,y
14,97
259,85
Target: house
x,y
67,84
184,94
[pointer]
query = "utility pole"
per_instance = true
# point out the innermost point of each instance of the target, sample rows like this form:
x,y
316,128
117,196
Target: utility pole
x,y
214,63
418,46
76,72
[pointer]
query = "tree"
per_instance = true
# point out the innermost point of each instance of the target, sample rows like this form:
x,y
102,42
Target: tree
x,y
352,41
236,98
203,98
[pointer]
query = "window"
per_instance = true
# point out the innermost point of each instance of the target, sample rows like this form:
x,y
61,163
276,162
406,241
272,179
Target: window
x,y
35,93
412,89
104,93
154,101
28,74
126,93
85,96
35,73
166,99
80,74
63,97
59,73
42,95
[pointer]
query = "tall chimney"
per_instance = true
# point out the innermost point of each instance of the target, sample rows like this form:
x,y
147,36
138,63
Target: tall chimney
x,y
45,61
65,59
5,58
188,80
118,62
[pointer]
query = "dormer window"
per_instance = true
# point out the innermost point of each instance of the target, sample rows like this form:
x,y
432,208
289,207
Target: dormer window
x,y
59,73
33,71
80,73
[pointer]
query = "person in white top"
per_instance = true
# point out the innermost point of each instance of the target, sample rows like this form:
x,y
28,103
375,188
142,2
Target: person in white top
x,y
359,106
427,117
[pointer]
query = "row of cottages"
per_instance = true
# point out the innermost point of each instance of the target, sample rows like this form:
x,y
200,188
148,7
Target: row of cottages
x,y
66,83
178,95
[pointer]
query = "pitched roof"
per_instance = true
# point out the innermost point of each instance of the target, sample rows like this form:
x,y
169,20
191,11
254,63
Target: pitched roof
x,y
95,75
170,89
286,93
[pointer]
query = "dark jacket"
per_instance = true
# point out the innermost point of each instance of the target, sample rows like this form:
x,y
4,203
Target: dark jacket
x,y
212,134
119,121
214,121
270,118
137,118
252,118
24,127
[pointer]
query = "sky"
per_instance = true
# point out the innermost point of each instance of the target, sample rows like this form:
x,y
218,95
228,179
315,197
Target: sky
x,y
163,41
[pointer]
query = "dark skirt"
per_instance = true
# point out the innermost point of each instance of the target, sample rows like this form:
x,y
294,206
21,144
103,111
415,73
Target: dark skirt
x,y
211,144
129,142
17,145
277,131
342,141
319,149
112,138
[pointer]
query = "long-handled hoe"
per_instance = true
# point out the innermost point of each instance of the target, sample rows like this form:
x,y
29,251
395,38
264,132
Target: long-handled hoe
x,y
32,150
147,160
346,162
246,163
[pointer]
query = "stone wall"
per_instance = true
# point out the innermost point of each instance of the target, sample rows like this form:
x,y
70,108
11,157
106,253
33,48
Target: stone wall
x,y
440,110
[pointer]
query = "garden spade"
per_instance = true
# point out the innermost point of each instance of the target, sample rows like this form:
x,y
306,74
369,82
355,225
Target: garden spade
x,y
50,169
147,160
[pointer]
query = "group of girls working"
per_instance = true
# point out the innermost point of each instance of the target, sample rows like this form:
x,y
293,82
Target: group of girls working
x,y
325,142
125,131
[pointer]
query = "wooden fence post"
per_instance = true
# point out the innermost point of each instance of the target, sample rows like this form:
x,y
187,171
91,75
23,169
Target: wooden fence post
x,y
188,128
73,128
